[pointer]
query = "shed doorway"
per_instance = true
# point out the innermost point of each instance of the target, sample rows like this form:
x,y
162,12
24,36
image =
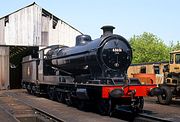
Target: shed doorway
x,y
16,53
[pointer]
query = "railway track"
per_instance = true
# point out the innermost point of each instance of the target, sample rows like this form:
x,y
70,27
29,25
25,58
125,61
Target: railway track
x,y
21,112
23,107
48,116
136,117
150,118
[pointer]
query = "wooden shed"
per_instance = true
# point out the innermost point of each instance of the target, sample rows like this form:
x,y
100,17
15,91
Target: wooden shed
x,y
23,32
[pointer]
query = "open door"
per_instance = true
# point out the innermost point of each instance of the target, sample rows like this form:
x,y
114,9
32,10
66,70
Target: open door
x,y
15,66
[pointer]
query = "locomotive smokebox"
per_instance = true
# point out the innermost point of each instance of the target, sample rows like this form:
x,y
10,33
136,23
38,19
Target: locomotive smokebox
x,y
107,30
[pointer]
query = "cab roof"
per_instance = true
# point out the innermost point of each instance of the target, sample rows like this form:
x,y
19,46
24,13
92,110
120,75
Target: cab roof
x,y
176,51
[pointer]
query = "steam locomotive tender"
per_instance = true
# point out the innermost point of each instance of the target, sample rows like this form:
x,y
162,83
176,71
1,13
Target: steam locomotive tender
x,y
94,71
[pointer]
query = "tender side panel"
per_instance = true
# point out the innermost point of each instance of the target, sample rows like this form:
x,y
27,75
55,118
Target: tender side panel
x,y
29,71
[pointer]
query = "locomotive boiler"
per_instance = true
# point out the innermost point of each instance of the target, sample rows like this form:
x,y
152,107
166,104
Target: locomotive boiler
x,y
108,56
94,71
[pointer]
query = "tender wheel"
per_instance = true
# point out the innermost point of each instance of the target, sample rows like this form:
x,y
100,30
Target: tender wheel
x,y
51,92
28,88
104,106
68,99
166,97
81,104
29,91
33,91
60,97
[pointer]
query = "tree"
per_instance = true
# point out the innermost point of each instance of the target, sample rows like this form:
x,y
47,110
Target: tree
x,y
175,47
148,48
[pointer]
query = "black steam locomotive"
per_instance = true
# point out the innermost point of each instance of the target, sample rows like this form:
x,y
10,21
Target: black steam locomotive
x,y
94,71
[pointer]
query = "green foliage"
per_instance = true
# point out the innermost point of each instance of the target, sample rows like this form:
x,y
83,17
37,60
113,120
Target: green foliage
x,y
175,47
149,48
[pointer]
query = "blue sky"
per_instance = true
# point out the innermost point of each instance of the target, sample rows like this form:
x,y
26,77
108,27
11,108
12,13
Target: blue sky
x,y
130,17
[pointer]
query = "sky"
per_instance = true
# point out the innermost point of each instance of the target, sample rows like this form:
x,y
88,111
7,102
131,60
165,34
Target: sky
x,y
129,17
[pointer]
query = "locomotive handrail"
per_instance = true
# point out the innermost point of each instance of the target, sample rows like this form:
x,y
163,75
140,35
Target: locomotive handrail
x,y
69,55
52,46
65,72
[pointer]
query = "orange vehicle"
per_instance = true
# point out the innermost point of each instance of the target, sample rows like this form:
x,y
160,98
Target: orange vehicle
x,y
146,78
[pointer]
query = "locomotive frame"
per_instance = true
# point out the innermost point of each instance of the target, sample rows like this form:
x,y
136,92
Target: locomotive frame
x,y
94,71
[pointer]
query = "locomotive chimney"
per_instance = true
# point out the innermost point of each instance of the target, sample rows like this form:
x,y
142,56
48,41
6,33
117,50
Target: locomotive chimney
x,y
107,30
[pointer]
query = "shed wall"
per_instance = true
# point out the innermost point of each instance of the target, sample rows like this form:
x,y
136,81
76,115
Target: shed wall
x,y
30,26
57,32
2,41
4,67
23,27
63,34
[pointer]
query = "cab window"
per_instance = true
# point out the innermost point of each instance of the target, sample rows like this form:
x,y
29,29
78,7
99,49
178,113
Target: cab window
x,y
177,59
143,69
156,70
